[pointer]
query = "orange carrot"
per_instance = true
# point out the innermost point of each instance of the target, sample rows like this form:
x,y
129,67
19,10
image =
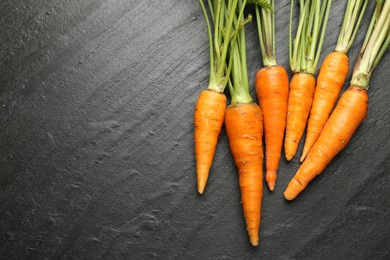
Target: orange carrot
x,y
244,128
299,103
304,55
272,92
331,79
208,120
333,73
350,111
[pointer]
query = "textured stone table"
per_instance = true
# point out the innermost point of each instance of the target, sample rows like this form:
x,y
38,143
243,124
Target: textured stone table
x,y
96,148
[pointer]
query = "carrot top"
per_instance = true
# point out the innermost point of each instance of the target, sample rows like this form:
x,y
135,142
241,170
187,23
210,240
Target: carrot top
x,y
306,48
375,45
266,29
223,17
238,83
352,19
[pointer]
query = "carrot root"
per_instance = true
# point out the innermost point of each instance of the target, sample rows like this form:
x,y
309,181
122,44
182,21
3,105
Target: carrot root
x,y
272,92
208,120
244,128
331,78
299,103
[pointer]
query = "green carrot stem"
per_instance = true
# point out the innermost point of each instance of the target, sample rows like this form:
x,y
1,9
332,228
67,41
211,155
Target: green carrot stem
x,y
266,31
305,49
212,81
351,23
374,47
239,90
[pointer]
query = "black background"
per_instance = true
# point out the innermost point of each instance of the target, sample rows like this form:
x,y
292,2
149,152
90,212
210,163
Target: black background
x,y
96,143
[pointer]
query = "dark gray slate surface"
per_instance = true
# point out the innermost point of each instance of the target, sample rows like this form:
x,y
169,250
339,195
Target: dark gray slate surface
x,y
96,148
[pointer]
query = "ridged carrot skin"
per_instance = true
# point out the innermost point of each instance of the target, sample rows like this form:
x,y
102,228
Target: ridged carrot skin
x,y
208,120
300,99
349,113
333,72
244,128
272,92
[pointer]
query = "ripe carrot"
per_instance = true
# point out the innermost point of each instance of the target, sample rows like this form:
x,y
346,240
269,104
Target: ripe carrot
x,y
244,128
304,55
350,111
272,92
333,73
211,105
208,119
299,103
352,107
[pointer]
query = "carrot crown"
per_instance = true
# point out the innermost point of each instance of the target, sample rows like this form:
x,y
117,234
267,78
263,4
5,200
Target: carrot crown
x,y
306,48
375,45
266,28
352,19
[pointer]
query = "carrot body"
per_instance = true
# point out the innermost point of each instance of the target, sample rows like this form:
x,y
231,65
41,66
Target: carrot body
x,y
331,78
208,120
244,128
272,92
299,103
350,111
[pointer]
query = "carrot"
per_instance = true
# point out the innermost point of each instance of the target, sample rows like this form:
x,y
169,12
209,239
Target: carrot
x,y
272,92
299,103
333,73
208,120
211,104
347,116
244,128
304,55
352,107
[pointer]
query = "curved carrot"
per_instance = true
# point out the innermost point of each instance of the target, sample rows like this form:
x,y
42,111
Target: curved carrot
x,y
299,103
331,78
208,120
244,128
272,92
350,111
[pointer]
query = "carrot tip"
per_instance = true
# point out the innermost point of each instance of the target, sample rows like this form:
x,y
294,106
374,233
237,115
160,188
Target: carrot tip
x,y
200,190
288,196
289,157
293,189
254,240
271,185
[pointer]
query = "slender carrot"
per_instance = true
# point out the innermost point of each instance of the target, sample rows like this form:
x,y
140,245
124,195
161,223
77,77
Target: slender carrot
x,y
272,92
244,128
208,120
333,73
351,109
211,104
304,55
